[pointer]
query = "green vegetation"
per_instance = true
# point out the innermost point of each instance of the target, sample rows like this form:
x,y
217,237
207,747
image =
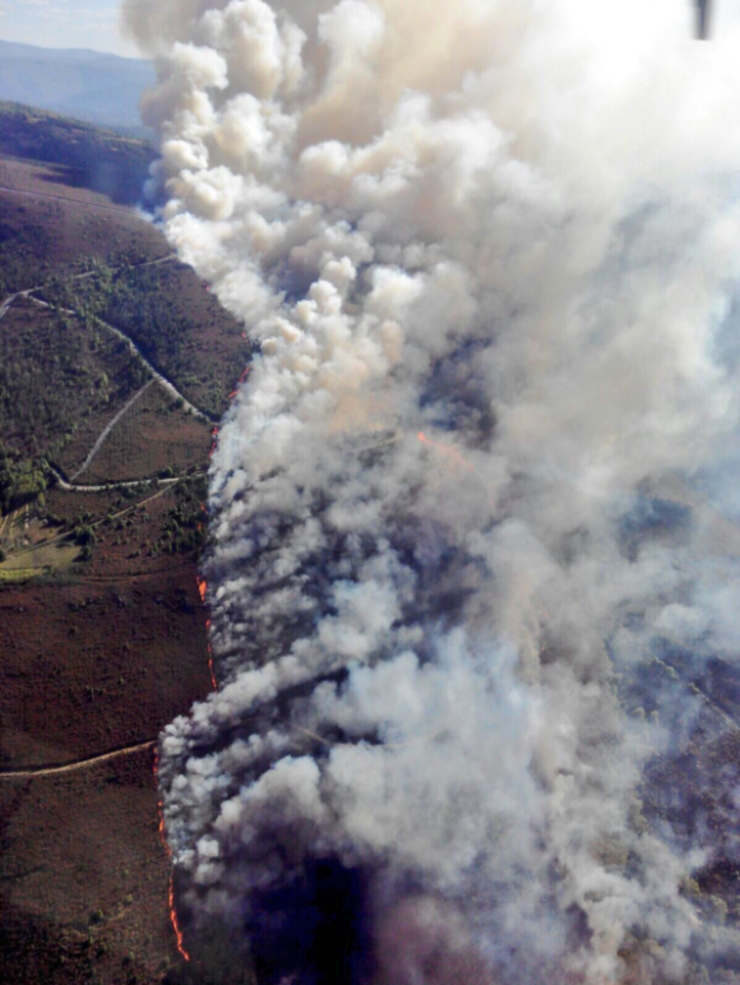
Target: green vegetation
x,y
92,157
21,481
84,535
130,300
20,247
186,526
42,400
141,303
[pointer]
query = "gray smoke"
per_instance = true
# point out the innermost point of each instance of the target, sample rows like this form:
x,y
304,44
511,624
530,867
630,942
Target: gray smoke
x,y
490,253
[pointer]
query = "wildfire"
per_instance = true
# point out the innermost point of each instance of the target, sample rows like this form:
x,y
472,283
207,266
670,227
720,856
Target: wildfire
x,y
203,592
214,446
242,378
211,669
171,890
173,919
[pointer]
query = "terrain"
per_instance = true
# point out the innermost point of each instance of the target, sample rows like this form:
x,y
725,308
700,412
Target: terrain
x,y
99,88
80,157
116,362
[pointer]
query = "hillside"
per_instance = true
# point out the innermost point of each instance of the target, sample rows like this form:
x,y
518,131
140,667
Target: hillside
x,y
88,85
116,360
92,158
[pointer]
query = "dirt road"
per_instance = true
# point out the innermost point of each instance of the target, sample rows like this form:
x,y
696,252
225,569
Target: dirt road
x,y
107,430
80,764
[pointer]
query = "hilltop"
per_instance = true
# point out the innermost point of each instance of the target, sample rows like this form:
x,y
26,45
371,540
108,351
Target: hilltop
x,y
94,158
89,85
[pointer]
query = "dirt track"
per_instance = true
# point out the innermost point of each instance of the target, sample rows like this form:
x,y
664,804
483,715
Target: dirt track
x,y
57,769
107,430
156,375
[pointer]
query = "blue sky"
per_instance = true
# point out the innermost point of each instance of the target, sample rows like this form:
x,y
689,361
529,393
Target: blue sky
x,y
64,24
95,23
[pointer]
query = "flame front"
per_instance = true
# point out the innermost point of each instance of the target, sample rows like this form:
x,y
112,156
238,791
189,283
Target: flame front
x,y
174,921
203,592
214,446
179,940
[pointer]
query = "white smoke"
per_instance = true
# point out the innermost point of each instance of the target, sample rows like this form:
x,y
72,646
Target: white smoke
x,y
488,250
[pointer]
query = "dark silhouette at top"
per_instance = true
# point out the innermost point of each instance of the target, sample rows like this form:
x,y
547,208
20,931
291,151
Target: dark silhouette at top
x,y
703,9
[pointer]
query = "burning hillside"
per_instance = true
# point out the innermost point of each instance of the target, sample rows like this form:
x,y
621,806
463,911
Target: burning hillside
x,y
506,233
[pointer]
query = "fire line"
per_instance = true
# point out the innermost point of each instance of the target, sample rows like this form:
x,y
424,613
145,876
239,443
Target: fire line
x,y
179,939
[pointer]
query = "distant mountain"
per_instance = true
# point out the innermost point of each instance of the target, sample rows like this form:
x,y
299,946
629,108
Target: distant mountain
x,y
87,85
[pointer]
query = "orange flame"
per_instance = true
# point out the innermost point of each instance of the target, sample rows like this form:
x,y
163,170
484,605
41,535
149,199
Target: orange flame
x,y
203,591
179,940
214,446
211,669
174,921
242,378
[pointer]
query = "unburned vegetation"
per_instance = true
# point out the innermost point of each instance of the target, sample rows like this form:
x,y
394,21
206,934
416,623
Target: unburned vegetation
x,y
170,316
155,438
94,158
42,236
102,628
56,370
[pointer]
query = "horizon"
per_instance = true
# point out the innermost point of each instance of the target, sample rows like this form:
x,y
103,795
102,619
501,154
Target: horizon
x,y
92,51
65,24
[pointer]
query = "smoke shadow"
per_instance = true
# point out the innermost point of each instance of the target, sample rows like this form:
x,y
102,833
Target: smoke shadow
x,y
314,931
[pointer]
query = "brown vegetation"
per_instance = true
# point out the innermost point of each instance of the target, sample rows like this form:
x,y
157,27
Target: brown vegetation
x,y
102,629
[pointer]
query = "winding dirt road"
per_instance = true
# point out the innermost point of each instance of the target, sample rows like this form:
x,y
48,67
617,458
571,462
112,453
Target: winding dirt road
x,y
110,486
134,349
80,764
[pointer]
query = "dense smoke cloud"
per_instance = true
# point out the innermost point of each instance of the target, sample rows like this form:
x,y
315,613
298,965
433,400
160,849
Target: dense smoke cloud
x,y
490,253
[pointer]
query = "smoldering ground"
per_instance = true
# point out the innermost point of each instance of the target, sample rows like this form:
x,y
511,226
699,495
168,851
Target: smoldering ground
x,y
489,252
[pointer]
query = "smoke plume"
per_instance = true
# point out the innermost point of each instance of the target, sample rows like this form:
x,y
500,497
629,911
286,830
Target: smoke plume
x,y
462,552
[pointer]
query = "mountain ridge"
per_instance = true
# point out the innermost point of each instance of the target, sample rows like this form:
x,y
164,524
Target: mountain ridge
x,y
91,86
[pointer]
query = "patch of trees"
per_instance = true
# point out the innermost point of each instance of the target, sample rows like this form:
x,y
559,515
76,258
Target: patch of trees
x,y
186,525
55,373
131,300
20,248
143,303
21,482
